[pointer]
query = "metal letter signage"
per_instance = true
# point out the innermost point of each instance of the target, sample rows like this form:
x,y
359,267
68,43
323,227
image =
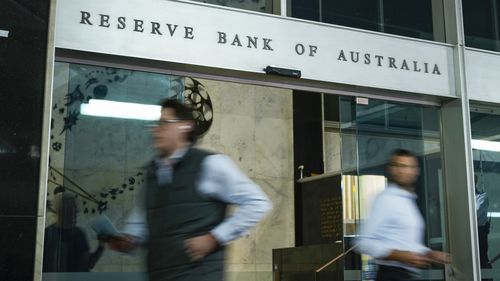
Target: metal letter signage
x,y
191,33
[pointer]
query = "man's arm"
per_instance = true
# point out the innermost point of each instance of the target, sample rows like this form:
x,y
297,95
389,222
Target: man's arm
x,y
222,180
96,255
226,182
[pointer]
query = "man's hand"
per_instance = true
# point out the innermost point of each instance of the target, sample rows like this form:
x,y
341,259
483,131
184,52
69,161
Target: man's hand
x,y
439,257
411,258
123,243
200,246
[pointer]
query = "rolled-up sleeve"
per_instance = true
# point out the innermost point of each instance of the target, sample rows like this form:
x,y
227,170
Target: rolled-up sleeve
x,y
222,180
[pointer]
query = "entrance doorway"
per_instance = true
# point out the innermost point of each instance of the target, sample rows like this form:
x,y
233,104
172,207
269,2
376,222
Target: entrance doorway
x,y
96,156
357,137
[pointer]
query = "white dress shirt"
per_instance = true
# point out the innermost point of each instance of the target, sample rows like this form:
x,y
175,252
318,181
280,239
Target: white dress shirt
x,y
395,223
482,204
222,180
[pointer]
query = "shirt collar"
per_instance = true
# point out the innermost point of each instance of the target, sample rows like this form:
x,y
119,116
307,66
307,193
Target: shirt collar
x,y
399,191
173,158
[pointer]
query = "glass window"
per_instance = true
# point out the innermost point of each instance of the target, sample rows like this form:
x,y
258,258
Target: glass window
x,y
369,132
305,9
407,18
265,6
486,152
352,13
481,24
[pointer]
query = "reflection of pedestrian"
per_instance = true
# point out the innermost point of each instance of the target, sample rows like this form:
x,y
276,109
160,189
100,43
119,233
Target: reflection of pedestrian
x,y
186,195
483,225
394,233
65,245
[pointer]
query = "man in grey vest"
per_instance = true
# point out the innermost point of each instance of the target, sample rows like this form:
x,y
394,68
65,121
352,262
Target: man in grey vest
x,y
182,219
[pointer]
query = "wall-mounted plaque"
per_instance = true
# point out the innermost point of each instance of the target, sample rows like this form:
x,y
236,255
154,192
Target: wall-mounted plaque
x,y
321,210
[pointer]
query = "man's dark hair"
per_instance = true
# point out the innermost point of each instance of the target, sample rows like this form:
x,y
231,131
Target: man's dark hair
x,y
182,112
400,152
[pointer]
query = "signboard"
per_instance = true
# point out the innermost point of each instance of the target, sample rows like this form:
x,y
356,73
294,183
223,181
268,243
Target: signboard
x,y
197,34
321,205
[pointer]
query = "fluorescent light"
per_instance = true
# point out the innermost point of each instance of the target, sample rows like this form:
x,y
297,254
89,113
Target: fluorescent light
x,y
494,214
486,145
4,33
126,110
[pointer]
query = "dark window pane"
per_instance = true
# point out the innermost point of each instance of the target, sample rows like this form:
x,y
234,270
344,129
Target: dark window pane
x,y
353,13
408,18
305,9
478,24
265,6
331,107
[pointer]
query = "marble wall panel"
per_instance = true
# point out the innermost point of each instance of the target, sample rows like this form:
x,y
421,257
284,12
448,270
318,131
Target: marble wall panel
x,y
273,103
237,99
277,229
332,152
274,150
238,140
243,250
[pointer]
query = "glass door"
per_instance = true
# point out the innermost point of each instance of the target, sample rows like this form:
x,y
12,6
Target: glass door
x,y
486,152
369,131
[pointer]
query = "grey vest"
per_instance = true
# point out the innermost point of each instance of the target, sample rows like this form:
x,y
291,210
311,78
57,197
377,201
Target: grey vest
x,y
176,212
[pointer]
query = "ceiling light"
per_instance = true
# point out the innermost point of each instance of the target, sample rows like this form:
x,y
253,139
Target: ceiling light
x,y
126,110
486,145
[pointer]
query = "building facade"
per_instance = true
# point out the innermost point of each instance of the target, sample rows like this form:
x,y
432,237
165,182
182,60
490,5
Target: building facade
x,y
293,91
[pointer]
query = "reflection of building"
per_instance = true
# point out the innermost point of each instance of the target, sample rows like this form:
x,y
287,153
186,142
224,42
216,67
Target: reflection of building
x,y
403,79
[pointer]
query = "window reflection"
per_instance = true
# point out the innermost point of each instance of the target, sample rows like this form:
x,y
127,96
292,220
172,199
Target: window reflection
x,y
481,24
66,248
369,132
406,18
486,153
252,5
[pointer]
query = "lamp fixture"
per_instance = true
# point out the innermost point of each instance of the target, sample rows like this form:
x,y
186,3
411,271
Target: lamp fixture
x,y
125,110
485,145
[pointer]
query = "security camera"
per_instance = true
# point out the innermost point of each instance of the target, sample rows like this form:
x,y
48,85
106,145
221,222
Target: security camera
x,y
270,69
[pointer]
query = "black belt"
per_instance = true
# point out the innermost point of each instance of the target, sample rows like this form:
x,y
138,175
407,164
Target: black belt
x,y
393,273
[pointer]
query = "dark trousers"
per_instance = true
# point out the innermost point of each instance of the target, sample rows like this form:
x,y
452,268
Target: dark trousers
x,y
482,232
391,273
